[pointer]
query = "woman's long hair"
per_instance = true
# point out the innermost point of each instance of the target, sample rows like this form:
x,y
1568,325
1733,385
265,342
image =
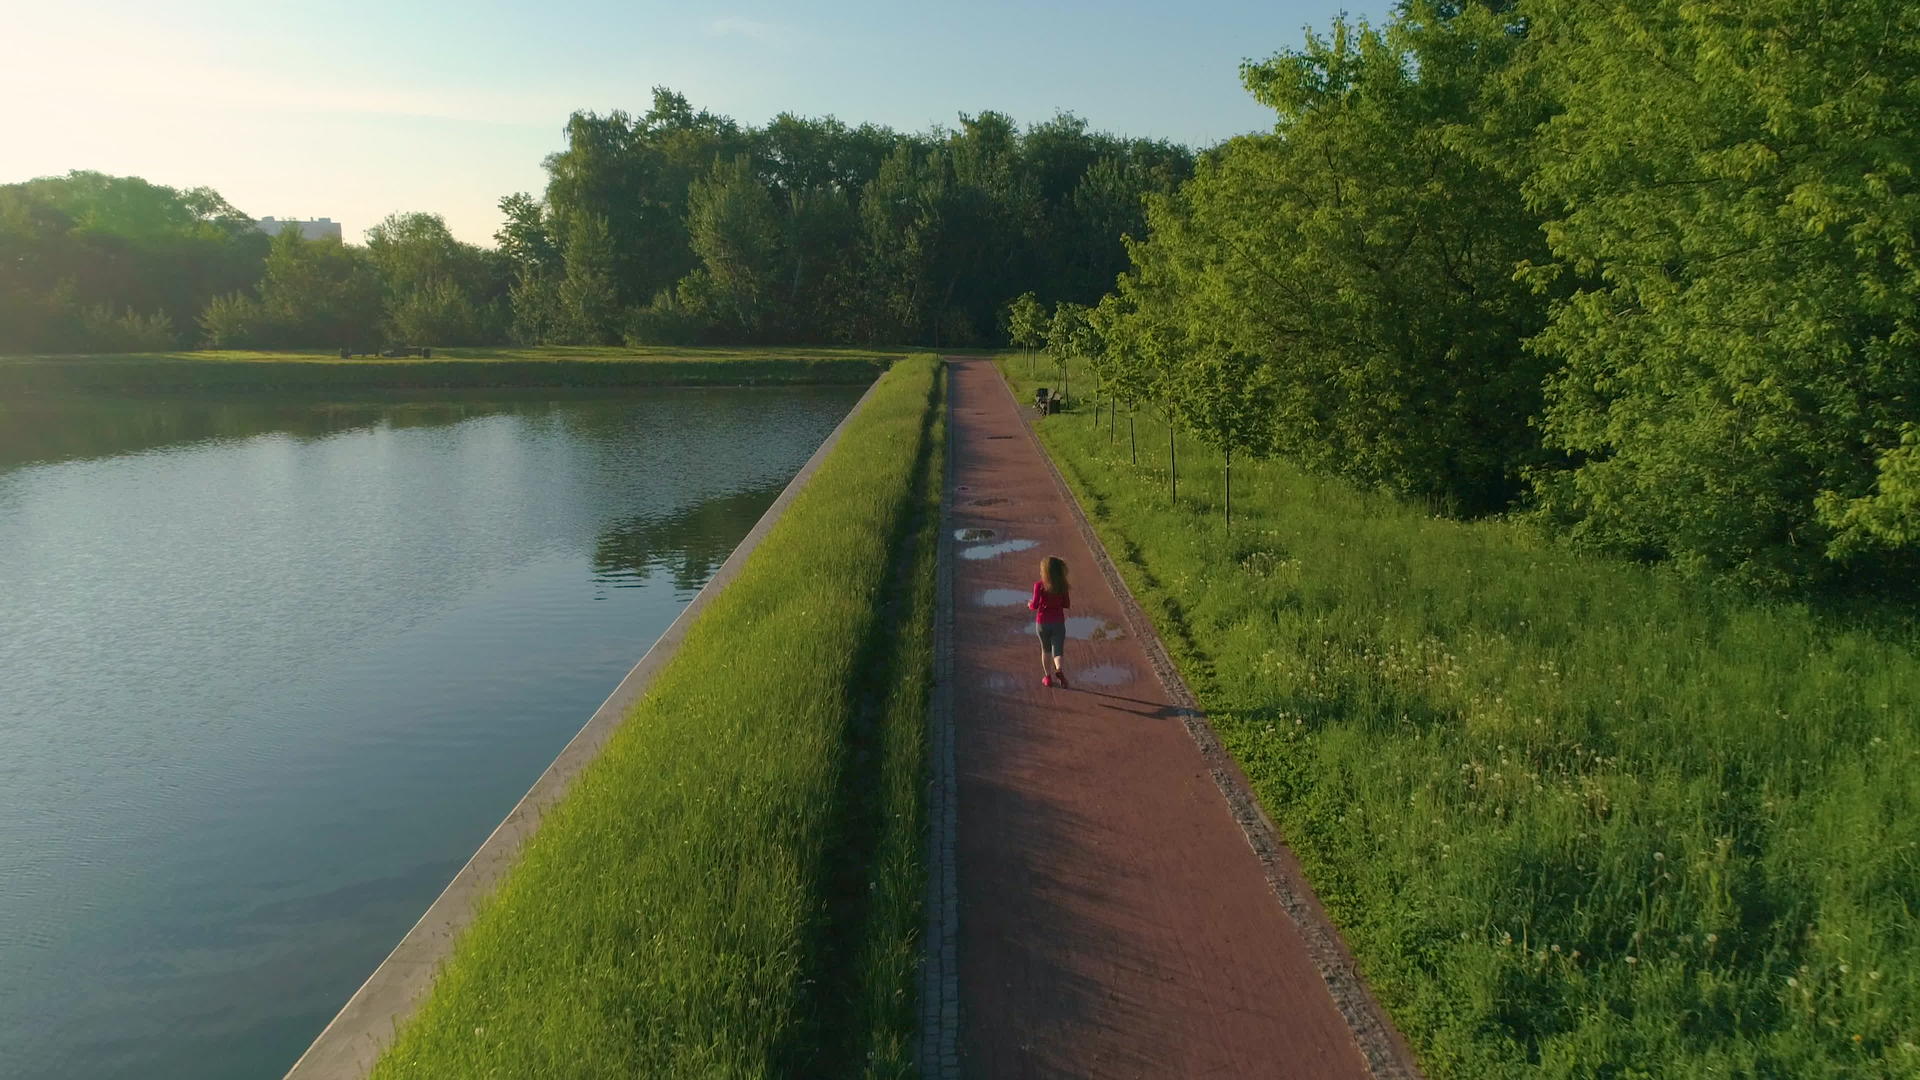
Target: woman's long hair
x,y
1053,575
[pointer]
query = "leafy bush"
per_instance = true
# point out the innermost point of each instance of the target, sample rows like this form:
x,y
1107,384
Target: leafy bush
x,y
437,313
665,321
102,331
237,321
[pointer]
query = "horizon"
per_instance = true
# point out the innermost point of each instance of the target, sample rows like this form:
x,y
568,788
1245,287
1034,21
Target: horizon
x,y
268,108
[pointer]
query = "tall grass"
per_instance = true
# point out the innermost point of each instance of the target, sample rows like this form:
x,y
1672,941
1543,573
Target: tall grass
x,y
1577,818
732,889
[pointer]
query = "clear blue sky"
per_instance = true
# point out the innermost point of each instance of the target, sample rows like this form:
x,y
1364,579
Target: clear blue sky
x,y
356,109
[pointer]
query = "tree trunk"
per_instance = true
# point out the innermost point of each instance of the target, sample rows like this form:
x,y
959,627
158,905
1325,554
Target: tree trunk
x,y
1173,470
1113,417
1133,445
1226,472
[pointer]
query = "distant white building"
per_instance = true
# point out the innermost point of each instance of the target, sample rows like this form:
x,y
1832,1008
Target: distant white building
x,y
318,229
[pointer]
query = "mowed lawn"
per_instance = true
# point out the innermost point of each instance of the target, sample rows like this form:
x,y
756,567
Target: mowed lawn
x,y
1577,818
732,889
546,366
598,353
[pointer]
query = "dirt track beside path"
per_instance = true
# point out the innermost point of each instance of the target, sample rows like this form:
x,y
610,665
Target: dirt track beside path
x,y
1114,921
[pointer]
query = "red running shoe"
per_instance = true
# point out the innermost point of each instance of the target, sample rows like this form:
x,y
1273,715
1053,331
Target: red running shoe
x,y
1046,680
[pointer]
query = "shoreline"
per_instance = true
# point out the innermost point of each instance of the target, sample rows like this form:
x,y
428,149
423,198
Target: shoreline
x,y
33,378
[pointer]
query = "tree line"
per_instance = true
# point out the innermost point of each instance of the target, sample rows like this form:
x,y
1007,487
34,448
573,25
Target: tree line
x,y
1646,270
96,263
675,226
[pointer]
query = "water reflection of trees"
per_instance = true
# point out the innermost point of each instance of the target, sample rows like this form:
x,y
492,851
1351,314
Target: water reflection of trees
x,y
689,544
53,428
50,429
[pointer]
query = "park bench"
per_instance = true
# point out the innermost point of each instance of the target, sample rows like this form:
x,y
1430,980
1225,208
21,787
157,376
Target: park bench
x,y
424,352
1045,401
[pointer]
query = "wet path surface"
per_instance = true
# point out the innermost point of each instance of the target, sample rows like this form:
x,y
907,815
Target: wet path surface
x,y
1114,921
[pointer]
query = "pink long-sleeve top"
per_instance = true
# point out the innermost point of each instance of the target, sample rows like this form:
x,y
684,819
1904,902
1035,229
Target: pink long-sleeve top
x,y
1048,607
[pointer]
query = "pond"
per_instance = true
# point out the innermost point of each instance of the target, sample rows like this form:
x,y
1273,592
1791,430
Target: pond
x,y
270,670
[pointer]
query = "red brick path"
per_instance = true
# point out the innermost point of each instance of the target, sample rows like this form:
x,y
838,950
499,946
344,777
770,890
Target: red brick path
x,y
1114,921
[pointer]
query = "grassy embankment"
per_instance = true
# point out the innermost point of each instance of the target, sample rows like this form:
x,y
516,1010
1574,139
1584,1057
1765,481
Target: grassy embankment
x,y
547,366
1577,818
733,887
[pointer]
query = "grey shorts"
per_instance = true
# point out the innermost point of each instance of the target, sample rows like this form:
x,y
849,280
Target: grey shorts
x,y
1053,637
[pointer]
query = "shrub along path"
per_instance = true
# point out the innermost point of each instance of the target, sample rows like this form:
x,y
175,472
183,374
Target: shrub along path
x,y
1113,919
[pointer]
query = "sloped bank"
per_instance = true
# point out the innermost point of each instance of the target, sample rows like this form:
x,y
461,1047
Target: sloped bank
x,y
732,886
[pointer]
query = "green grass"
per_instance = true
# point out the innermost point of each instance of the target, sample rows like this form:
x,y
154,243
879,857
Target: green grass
x,y
1577,818
547,366
733,887
591,353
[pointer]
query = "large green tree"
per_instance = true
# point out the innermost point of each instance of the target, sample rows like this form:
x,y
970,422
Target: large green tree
x,y
1741,372
635,173
86,259
587,303
1359,261
736,231
901,215
439,291
533,255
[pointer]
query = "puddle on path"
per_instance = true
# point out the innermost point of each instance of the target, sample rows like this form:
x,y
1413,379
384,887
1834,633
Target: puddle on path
x,y
1002,598
1084,628
991,500
1102,675
999,682
1004,547
973,534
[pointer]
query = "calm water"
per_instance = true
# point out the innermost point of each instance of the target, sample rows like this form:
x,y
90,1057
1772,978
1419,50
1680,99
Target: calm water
x,y
270,671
